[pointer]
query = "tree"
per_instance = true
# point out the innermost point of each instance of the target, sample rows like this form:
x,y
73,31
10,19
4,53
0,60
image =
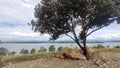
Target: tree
x,y
12,53
99,46
61,17
32,51
51,48
42,49
62,48
117,46
24,51
3,51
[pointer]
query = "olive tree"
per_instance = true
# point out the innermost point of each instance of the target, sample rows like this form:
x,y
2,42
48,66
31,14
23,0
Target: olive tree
x,y
61,17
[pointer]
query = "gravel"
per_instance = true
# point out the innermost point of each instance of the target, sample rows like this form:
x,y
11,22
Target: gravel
x,y
112,60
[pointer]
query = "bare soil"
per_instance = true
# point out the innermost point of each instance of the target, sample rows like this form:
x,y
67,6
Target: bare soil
x,y
112,60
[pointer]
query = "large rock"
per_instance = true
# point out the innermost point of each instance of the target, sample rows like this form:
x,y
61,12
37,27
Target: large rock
x,y
75,54
72,54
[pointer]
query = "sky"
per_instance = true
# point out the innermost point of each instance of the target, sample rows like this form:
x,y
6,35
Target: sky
x,y
15,14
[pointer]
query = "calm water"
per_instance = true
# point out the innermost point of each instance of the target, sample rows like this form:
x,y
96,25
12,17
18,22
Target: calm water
x,y
18,46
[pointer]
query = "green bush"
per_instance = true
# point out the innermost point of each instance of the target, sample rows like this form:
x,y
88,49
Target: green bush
x,y
24,51
62,48
117,46
52,48
99,46
32,51
3,51
42,49
12,53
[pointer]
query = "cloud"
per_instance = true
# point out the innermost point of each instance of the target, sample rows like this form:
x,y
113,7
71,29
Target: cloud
x,y
15,14
17,11
112,36
25,34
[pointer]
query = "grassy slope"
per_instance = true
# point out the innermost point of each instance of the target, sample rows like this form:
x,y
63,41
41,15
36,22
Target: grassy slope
x,y
19,58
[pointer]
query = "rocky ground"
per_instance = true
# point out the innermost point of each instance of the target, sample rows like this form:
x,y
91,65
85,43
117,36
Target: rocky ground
x,y
112,60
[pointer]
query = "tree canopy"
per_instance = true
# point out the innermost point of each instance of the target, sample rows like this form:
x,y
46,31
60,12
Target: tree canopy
x,y
3,51
58,17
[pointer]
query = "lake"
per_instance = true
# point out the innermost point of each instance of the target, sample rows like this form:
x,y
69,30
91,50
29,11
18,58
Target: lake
x,y
18,46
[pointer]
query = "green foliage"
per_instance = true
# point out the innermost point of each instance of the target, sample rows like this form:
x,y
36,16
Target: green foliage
x,y
52,48
99,46
42,49
62,48
24,51
58,17
32,51
76,48
3,51
117,46
12,53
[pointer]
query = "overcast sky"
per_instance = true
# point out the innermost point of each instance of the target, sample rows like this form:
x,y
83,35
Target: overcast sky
x,y
15,14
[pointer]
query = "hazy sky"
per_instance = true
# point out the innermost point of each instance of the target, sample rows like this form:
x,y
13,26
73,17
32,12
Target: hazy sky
x,y
15,14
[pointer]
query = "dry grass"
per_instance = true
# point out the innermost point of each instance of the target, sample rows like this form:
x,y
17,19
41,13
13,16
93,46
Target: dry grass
x,y
18,58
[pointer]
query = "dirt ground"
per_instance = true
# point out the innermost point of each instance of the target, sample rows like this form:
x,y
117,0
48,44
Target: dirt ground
x,y
112,60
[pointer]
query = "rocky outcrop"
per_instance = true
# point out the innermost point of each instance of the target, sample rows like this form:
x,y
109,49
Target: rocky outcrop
x,y
72,54
75,54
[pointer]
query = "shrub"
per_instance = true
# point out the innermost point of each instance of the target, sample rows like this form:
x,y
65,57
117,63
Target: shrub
x,y
32,51
117,46
63,48
52,48
12,53
24,51
3,51
42,49
99,46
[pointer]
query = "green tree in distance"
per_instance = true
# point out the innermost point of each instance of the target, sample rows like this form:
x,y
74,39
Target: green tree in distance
x,y
42,49
3,51
32,51
12,53
24,51
62,48
61,17
52,48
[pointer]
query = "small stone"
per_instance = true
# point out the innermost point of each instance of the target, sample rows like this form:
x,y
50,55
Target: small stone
x,y
115,59
105,65
81,67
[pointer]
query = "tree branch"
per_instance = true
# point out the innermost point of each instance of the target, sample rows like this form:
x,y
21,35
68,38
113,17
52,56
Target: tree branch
x,y
70,36
94,30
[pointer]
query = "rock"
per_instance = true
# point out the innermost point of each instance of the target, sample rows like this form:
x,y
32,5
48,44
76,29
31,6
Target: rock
x,y
81,67
115,59
75,54
72,54
105,65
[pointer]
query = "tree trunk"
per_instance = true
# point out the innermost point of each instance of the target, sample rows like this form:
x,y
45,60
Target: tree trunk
x,y
85,49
